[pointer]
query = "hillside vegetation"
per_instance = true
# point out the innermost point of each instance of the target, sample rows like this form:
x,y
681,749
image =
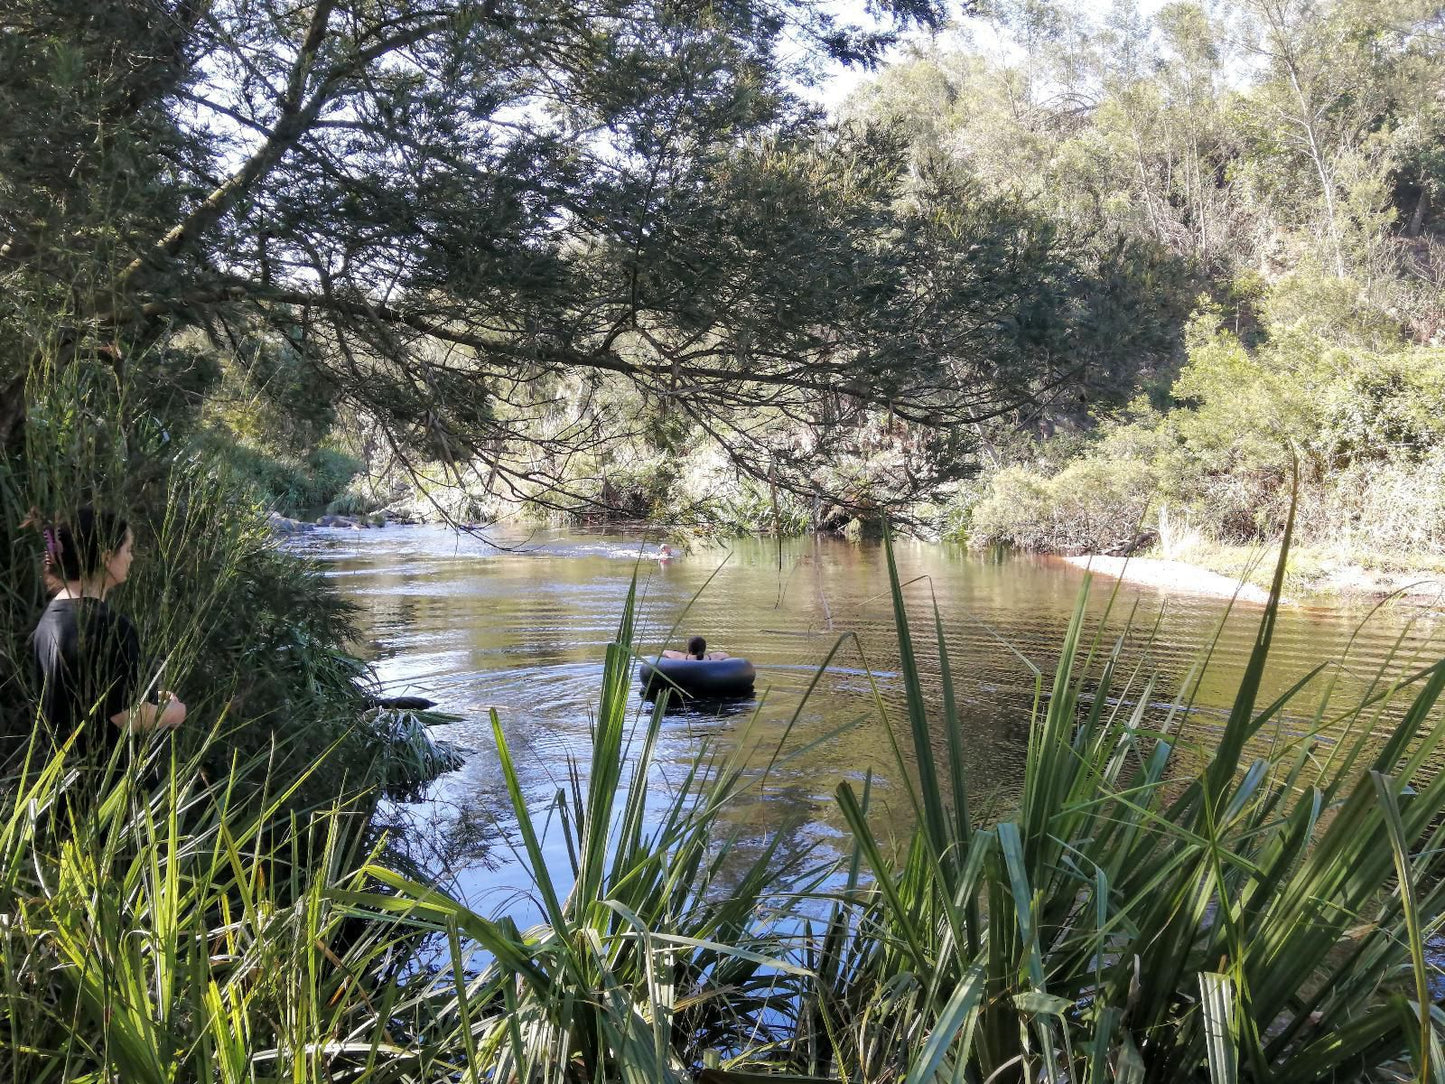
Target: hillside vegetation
x,y
1291,155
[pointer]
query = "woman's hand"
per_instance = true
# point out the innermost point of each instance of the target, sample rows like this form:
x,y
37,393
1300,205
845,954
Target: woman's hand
x,y
167,714
173,711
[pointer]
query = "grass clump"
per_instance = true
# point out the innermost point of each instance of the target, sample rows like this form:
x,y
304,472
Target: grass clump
x,y
658,947
180,933
1167,903
291,484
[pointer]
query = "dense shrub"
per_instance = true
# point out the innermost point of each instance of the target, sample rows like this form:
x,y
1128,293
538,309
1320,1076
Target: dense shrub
x,y
292,484
250,637
1396,507
1090,505
1362,414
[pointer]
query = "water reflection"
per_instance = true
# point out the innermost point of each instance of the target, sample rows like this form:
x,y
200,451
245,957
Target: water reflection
x,y
523,631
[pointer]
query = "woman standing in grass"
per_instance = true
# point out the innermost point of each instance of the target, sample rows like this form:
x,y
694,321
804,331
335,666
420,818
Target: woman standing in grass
x,y
88,656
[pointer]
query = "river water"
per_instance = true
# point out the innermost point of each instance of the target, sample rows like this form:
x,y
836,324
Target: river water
x,y
522,630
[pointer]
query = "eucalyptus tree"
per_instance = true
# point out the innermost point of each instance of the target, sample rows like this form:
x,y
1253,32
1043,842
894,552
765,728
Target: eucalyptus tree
x,y
1344,119
455,212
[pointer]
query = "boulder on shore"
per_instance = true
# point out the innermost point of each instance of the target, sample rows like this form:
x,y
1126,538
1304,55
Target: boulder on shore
x,y
285,525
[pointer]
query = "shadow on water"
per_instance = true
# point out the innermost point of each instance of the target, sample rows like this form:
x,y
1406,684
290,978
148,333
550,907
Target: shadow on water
x,y
704,709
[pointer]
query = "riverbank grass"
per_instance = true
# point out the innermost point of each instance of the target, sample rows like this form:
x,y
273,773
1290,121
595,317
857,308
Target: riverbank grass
x,y
1170,901
667,942
186,932
1317,570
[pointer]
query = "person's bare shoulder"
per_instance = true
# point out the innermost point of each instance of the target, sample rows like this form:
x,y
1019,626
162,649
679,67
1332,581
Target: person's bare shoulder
x,y
676,655
718,655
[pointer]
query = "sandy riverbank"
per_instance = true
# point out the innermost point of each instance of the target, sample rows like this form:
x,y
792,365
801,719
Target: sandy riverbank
x,y
1171,577
1318,576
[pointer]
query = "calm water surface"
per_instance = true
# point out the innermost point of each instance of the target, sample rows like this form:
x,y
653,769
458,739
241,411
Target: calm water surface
x,y
522,630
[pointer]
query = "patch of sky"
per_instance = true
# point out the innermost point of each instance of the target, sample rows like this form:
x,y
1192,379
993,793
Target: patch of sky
x,y
999,32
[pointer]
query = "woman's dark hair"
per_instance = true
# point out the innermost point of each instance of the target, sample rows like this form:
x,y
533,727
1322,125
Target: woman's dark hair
x,y
697,647
76,548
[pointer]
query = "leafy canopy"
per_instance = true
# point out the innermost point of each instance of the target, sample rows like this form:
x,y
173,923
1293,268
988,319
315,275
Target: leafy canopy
x,y
465,217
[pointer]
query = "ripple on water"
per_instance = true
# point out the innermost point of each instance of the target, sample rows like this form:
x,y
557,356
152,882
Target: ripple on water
x,y
523,631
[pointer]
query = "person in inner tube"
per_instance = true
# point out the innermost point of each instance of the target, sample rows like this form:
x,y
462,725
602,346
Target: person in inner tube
x,y
697,651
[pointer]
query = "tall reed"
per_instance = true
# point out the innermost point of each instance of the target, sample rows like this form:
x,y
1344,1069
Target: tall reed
x,y
1166,903
185,932
658,950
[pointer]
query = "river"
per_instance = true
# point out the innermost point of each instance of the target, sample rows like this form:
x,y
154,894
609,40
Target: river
x,y
522,629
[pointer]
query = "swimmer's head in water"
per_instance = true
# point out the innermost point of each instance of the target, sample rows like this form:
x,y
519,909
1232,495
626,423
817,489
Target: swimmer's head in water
x,y
697,647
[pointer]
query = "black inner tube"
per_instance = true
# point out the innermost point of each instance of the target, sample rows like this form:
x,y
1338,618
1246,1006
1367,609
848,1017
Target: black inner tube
x,y
698,678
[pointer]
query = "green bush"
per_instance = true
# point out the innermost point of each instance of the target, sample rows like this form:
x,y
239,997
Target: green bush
x,y
188,933
1090,505
289,484
1390,509
251,638
1334,390
749,506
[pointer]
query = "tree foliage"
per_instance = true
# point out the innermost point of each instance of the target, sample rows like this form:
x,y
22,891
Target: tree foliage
x,y
452,211
1279,149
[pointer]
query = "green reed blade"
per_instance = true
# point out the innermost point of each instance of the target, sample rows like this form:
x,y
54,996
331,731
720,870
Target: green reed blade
x,y
1386,789
1216,1005
935,823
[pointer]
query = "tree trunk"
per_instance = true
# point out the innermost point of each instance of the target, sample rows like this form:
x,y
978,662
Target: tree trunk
x,y
12,411
1417,219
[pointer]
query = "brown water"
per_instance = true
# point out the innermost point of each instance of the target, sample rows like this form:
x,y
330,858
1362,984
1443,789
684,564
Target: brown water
x,y
523,631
